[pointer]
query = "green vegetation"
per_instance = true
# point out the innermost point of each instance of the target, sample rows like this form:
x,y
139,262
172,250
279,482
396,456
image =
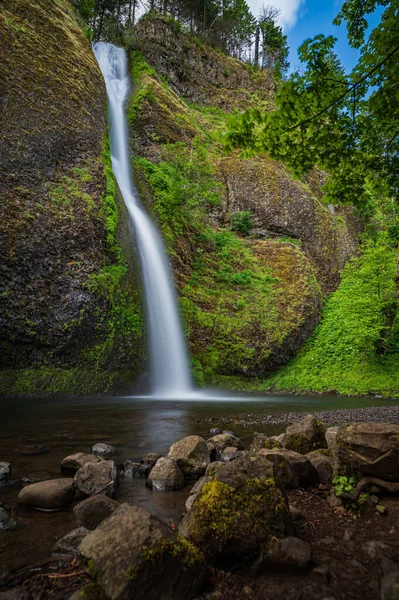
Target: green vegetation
x,y
241,221
355,349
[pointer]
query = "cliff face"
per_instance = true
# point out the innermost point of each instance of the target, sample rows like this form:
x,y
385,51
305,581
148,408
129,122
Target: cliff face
x,y
58,215
250,299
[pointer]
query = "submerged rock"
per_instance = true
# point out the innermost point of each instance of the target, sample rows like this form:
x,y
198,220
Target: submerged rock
x,y
237,511
35,477
293,469
74,462
49,495
132,554
368,449
6,521
91,512
192,456
69,544
5,471
306,435
34,450
101,448
166,476
97,478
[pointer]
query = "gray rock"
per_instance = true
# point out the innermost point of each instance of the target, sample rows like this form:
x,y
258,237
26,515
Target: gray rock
x,y
296,514
213,468
331,439
91,512
48,495
306,435
69,544
6,522
150,459
166,476
135,469
369,450
192,456
5,471
221,519
215,431
35,478
293,469
263,441
288,552
231,453
219,442
132,554
390,587
34,450
322,464
229,432
97,478
74,462
101,448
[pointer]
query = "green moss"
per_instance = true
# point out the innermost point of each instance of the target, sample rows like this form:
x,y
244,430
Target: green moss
x,y
269,444
181,549
298,443
221,510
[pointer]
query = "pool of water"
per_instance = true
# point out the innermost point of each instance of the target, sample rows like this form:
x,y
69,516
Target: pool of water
x,y
135,426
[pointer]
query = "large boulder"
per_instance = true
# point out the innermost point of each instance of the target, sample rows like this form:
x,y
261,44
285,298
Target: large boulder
x,y
237,511
166,476
97,478
196,490
306,435
132,554
220,442
74,462
49,495
192,456
369,449
291,552
93,510
293,469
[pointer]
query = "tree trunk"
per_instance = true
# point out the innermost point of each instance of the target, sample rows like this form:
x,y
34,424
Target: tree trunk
x,y
256,59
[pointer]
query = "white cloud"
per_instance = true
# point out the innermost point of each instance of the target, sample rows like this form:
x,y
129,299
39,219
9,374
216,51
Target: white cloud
x,y
289,10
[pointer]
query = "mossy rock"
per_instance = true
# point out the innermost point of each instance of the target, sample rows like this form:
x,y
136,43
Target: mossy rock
x,y
306,435
238,510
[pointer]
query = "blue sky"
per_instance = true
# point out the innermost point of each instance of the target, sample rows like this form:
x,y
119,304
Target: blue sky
x,y
302,19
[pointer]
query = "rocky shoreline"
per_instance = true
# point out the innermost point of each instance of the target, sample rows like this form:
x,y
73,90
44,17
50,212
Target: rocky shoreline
x,y
311,513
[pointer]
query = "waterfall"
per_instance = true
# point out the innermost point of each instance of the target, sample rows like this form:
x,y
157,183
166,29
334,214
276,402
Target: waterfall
x,y
170,373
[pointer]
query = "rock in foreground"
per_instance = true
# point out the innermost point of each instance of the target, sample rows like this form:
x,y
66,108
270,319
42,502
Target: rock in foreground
x,y
306,435
91,512
236,512
132,554
48,495
166,476
192,456
293,469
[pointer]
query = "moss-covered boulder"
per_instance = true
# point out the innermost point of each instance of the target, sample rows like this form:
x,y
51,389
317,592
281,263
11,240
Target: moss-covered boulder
x,y
306,435
132,554
238,510
368,450
192,456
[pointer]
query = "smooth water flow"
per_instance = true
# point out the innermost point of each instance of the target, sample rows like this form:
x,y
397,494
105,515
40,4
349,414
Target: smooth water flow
x,y
170,372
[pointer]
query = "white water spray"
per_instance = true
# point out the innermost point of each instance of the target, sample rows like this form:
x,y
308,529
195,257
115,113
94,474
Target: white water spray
x,y
170,372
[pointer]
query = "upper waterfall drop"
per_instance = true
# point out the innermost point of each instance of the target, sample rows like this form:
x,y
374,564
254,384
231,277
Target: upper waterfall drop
x,y
170,373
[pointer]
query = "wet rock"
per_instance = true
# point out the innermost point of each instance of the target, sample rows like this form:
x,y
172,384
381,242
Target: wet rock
x,y
91,512
101,448
306,435
215,431
289,552
133,554
5,472
69,544
263,441
221,519
195,491
231,453
213,467
150,459
322,464
166,476
228,432
35,477
369,449
49,495
74,462
6,522
390,587
192,456
34,450
219,442
97,478
135,469
293,469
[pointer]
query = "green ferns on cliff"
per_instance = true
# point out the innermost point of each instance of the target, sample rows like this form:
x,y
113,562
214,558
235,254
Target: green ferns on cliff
x,y
355,349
